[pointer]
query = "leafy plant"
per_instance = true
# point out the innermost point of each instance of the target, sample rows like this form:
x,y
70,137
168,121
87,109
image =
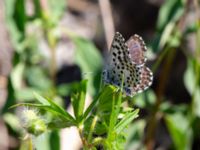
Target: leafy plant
x,y
103,122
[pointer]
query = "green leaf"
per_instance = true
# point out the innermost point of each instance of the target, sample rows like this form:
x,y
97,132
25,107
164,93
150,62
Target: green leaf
x,y
105,103
196,102
59,119
37,8
105,100
20,15
17,75
167,31
180,131
52,105
91,106
60,110
54,140
172,10
168,108
13,121
169,14
41,99
57,9
127,119
49,106
25,94
59,122
135,134
11,99
189,77
11,23
78,99
33,74
114,112
190,81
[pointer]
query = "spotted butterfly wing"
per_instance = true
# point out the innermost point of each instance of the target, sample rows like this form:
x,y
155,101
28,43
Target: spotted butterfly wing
x,y
118,62
127,60
137,49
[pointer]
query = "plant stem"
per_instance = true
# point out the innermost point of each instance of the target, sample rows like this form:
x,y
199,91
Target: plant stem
x,y
160,58
152,123
94,121
51,39
81,136
53,65
30,143
52,44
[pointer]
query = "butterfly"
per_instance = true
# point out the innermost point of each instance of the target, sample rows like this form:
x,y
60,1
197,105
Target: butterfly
x,y
126,61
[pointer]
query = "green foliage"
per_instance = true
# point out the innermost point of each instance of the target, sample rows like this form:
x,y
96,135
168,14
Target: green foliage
x,y
78,100
171,11
54,137
108,122
127,119
20,15
180,131
168,34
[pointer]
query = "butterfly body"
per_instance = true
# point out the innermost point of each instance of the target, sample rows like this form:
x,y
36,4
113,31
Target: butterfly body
x,y
126,62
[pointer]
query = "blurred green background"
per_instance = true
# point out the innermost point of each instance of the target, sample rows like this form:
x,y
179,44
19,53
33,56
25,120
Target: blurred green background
x,y
46,45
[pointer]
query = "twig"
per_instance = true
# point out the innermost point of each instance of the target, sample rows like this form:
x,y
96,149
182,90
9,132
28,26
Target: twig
x,y
82,6
152,123
107,20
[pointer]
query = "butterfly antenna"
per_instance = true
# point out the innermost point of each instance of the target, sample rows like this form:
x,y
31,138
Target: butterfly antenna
x,y
86,73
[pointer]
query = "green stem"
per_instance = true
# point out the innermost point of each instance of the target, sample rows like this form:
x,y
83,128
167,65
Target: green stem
x,y
52,45
92,129
82,138
30,143
51,38
160,58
